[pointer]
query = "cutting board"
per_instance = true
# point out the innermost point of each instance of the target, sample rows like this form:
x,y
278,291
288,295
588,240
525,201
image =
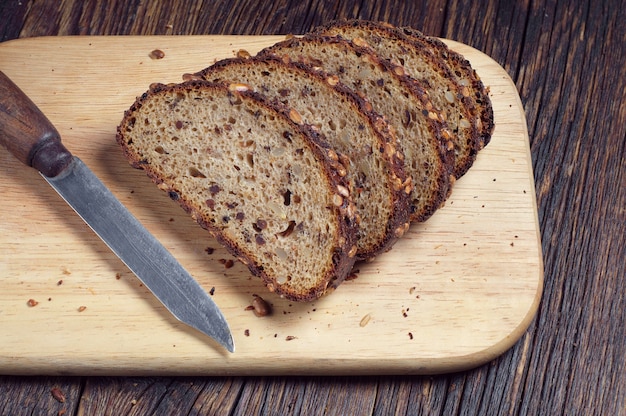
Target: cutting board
x,y
454,293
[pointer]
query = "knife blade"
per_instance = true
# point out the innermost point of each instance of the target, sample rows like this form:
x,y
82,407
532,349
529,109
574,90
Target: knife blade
x,y
28,134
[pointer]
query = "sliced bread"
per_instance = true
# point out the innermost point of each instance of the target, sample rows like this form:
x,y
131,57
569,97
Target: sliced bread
x,y
466,76
435,75
421,130
267,187
375,171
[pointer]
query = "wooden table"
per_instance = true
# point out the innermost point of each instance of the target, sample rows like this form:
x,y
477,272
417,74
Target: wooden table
x,y
567,62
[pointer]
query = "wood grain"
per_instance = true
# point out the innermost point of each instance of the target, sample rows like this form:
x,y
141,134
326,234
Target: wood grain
x,y
457,291
572,358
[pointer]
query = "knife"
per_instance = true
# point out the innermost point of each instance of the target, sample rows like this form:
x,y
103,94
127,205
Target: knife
x,y
27,134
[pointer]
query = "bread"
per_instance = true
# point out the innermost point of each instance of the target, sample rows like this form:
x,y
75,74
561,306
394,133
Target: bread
x,y
435,75
267,187
466,76
375,172
421,130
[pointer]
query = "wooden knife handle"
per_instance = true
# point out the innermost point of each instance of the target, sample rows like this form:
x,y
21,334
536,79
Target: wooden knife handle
x,y
27,133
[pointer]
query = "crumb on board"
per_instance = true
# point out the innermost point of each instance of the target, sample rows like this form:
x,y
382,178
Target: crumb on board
x,y
209,250
246,332
410,335
260,306
365,320
32,302
242,53
290,338
81,308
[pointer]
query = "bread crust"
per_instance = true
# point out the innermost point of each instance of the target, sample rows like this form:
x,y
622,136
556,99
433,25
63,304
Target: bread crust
x,y
344,240
394,182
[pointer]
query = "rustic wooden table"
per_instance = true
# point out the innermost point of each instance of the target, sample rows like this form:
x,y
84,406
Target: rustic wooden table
x,y
566,59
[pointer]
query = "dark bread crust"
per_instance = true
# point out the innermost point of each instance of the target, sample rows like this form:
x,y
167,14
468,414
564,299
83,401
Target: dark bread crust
x,y
394,183
439,136
462,68
390,43
343,252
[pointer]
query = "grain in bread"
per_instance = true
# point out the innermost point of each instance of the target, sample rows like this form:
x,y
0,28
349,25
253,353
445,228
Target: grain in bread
x,y
421,63
421,130
261,183
375,172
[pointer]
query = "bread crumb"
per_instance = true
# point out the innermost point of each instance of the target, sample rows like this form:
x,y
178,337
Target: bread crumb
x,y
81,308
57,394
246,332
228,263
290,338
209,250
32,302
365,320
410,335
157,54
212,291
260,306
60,282
242,53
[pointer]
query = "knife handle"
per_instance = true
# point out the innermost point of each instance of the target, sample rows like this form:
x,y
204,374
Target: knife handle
x,y
27,133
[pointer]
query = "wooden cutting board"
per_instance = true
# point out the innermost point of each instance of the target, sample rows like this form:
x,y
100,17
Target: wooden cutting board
x,y
454,293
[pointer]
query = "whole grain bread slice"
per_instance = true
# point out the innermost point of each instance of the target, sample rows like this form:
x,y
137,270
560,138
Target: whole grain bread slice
x,y
375,168
466,76
267,187
421,63
421,130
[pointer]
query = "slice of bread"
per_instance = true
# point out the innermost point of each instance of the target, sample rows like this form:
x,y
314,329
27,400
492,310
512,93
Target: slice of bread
x,y
375,171
466,76
267,187
421,130
434,74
